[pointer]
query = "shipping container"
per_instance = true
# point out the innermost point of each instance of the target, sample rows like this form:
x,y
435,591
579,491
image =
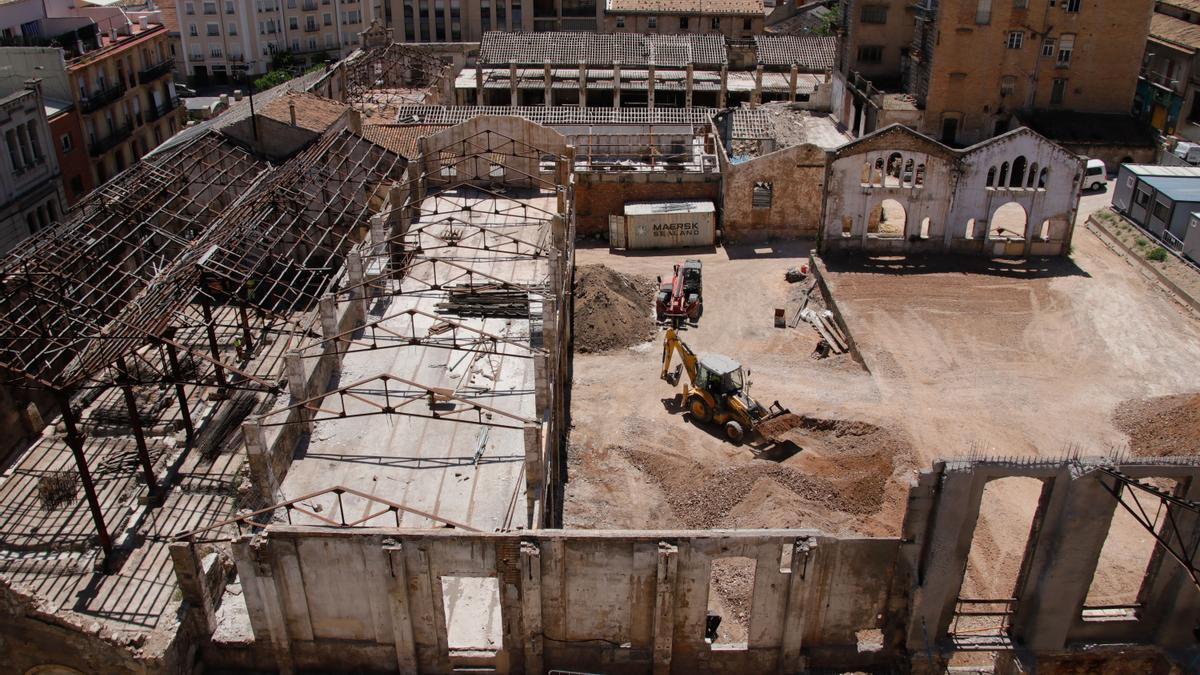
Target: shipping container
x,y
673,224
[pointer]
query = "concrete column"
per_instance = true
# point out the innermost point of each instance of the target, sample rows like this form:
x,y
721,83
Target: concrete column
x,y
355,276
691,77
664,607
479,98
262,469
398,602
531,605
756,97
379,226
514,91
650,86
262,600
547,85
795,615
327,307
724,92
289,588
541,383
583,76
792,84
616,84
189,574
533,470
298,384
1171,603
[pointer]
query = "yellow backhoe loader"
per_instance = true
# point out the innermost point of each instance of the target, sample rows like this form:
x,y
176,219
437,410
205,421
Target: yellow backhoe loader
x,y
718,391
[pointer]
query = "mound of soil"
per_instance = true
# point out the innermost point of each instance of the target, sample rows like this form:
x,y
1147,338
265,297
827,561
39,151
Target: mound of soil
x,y
845,467
612,310
1162,426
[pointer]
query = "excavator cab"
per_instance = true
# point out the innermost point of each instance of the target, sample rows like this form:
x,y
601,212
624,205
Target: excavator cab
x,y
719,375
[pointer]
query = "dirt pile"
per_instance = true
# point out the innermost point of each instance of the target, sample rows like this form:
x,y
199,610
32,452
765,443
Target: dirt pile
x,y
612,310
844,467
1162,426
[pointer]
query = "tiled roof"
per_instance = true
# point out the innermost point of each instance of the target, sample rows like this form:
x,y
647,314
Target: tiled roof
x,y
567,48
313,113
1175,31
1190,5
810,52
685,7
399,138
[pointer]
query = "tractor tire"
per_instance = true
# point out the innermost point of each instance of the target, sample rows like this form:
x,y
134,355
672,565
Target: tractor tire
x,y
700,409
734,432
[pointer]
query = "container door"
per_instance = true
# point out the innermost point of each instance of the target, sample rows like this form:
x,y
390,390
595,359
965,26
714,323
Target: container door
x,y
616,231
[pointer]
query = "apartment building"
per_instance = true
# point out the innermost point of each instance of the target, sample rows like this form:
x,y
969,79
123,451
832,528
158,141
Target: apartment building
x,y
31,192
876,36
1166,94
731,18
468,20
975,64
231,38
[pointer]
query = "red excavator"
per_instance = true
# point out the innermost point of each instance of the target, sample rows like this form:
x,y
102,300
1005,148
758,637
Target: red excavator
x,y
682,297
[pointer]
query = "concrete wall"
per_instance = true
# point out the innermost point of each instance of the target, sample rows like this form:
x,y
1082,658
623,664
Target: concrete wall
x,y
601,194
610,601
955,187
797,179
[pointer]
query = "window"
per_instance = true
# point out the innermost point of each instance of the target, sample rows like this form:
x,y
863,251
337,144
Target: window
x,y
1020,4
66,142
191,8
327,18
212,29
760,198
652,22
1162,212
77,185
232,29
683,21
1141,198
716,23
1057,91
330,41
983,12
496,171
448,172
870,54
747,25
215,51
1072,5
1066,44
1048,47
293,23
192,30
620,22
1008,84
874,13
1015,39
210,8
229,6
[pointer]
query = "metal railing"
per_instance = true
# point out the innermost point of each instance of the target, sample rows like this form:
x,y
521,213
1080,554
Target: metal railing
x,y
102,98
156,71
114,139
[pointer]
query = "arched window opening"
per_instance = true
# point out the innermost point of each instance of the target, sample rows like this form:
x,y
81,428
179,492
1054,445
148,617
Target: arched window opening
x,y
919,176
895,162
1033,175
878,178
925,228
970,231
865,179
1008,221
1042,179
906,178
991,179
1002,181
1044,233
1018,173
888,219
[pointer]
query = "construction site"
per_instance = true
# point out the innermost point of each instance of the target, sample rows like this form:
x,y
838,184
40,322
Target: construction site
x,y
376,373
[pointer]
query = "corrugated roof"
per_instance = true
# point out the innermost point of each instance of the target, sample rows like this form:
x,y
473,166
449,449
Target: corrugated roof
x,y
737,7
1176,188
811,52
569,48
1161,170
1189,5
313,112
1175,31
401,139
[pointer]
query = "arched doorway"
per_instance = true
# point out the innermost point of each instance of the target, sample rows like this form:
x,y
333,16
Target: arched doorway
x,y
888,219
1008,222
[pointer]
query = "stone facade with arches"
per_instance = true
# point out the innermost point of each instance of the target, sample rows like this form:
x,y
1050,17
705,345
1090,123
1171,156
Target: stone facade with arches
x,y
951,200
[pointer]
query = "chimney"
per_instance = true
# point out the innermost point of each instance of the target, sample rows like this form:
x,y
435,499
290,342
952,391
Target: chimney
x,y
143,22
237,94
292,111
224,98
354,120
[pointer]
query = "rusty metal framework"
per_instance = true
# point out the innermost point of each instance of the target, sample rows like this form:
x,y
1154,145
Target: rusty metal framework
x,y
153,276
390,76
1172,524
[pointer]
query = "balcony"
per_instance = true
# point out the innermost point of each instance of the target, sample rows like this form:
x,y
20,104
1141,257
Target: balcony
x,y
235,57
309,6
156,71
1162,80
156,113
114,139
197,57
311,28
101,98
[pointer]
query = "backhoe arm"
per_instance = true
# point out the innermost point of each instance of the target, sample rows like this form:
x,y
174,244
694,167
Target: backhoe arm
x,y
687,357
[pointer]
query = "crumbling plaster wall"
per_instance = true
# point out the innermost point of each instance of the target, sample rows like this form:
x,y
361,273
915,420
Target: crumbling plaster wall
x,y
619,601
797,179
600,194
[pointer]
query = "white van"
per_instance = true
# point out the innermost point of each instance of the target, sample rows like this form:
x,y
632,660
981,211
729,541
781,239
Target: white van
x,y
1095,176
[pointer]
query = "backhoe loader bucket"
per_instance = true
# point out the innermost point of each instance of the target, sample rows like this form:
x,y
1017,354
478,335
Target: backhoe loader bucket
x,y
779,420
672,377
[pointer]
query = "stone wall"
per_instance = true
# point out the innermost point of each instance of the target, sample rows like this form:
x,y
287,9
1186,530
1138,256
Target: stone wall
x,y
796,177
599,195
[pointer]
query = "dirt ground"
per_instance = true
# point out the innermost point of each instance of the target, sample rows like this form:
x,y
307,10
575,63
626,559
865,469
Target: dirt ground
x,y
987,359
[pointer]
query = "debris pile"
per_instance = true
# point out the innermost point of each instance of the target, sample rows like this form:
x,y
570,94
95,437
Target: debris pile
x,y
1163,426
612,310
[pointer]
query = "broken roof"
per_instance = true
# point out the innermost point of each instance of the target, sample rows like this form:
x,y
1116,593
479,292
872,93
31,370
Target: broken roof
x,y
402,139
811,52
569,48
313,113
685,7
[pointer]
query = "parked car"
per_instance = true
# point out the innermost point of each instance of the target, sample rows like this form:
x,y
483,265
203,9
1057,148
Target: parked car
x,y
1188,152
